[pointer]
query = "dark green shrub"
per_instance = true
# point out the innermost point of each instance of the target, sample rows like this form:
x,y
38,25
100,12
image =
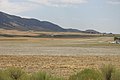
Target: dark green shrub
x,y
87,74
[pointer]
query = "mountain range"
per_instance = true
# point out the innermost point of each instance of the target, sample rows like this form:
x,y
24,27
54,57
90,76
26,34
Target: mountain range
x,y
12,22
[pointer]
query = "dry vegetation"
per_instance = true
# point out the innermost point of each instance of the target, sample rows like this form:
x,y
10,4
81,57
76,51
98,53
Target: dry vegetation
x,y
58,65
57,56
58,46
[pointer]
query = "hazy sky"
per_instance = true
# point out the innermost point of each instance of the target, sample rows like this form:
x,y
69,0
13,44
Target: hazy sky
x,y
101,15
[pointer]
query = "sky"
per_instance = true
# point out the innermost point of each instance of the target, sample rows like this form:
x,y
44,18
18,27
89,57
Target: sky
x,y
100,15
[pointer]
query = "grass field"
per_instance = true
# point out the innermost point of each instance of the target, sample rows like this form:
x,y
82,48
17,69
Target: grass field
x,y
62,66
58,56
58,46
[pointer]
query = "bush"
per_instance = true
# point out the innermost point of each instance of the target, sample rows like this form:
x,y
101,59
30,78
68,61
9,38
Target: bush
x,y
3,76
107,71
25,77
40,76
87,74
116,75
55,78
43,76
15,73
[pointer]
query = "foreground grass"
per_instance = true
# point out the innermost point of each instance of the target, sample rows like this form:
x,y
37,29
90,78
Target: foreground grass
x,y
87,74
106,72
18,74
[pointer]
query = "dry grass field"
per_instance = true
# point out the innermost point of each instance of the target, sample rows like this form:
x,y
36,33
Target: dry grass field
x,y
58,65
57,56
58,46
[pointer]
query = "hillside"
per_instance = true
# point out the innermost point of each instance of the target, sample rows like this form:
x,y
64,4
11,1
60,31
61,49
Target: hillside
x,y
12,22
